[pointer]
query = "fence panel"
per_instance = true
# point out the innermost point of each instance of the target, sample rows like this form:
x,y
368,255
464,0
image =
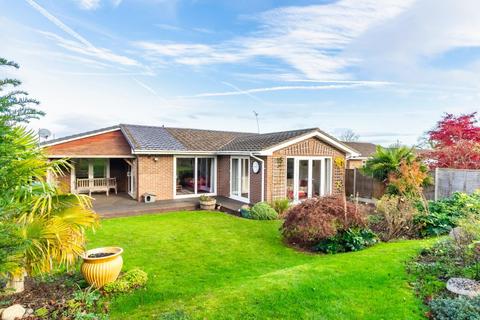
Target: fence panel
x,y
356,184
448,181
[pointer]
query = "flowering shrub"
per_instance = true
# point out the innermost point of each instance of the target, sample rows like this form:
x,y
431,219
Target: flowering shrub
x,y
315,220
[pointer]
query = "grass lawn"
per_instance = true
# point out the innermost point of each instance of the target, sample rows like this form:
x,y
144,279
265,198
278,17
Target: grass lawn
x,y
211,265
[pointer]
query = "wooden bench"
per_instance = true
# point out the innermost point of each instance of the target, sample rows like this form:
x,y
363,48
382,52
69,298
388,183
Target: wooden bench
x,y
96,185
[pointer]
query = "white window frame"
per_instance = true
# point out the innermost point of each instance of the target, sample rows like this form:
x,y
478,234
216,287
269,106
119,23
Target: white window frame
x,y
195,175
296,169
232,196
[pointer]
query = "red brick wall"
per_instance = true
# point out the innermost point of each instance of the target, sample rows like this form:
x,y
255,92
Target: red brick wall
x,y
223,176
109,143
155,176
256,182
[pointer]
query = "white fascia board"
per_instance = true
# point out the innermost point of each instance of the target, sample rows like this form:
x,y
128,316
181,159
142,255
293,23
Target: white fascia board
x,y
175,152
46,144
327,139
57,156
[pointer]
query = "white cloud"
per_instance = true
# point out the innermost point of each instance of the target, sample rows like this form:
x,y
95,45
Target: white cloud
x,y
88,4
81,45
290,88
309,39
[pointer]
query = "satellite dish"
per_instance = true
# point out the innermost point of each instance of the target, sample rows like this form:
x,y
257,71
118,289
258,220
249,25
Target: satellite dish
x,y
44,133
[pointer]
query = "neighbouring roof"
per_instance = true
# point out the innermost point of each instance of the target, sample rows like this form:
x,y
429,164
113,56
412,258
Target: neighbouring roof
x,y
144,139
366,149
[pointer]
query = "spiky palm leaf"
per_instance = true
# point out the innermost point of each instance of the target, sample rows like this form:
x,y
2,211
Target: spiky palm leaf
x,y
387,160
55,229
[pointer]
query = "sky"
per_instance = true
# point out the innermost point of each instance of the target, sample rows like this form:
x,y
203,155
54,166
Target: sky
x,y
385,69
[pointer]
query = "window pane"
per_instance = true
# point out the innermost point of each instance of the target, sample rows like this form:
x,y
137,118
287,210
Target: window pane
x,y
245,182
185,176
235,181
81,168
328,176
302,179
99,168
290,173
316,177
205,175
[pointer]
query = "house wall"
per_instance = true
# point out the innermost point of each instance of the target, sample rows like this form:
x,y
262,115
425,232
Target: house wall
x,y
63,181
155,176
109,143
256,182
355,163
223,176
277,166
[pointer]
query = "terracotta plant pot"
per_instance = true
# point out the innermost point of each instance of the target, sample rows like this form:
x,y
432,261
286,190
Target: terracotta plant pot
x,y
98,271
208,204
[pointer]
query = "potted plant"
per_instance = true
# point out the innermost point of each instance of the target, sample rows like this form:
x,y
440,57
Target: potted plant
x,y
102,265
207,203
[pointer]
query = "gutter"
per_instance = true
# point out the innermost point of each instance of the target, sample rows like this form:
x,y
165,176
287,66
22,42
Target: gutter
x,y
263,174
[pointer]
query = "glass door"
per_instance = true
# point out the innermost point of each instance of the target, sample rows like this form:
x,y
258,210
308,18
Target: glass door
x,y
240,179
308,177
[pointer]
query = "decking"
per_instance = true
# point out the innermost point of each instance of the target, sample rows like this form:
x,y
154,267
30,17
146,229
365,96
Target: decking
x,y
122,205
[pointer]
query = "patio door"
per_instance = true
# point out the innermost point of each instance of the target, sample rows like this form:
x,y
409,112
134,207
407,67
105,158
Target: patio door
x,y
240,179
308,177
131,177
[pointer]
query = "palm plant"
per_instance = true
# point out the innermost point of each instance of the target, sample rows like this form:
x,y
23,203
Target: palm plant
x,y
387,160
52,225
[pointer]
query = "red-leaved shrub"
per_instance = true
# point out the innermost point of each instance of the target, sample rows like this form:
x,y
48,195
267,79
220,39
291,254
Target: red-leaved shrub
x,y
316,219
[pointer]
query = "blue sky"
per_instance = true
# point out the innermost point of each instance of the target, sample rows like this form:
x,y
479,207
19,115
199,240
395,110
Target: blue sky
x,y
385,69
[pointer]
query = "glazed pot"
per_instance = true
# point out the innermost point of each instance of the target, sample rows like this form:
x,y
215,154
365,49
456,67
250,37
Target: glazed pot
x,y
208,204
98,271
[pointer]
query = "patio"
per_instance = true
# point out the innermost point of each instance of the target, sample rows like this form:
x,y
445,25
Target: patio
x,y
122,205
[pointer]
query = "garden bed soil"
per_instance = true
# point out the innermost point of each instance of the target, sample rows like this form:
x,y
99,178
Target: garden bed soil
x,y
100,255
51,294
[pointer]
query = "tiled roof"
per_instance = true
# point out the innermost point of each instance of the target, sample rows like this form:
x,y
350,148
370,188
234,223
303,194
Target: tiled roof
x,y
366,149
151,138
258,142
163,139
204,140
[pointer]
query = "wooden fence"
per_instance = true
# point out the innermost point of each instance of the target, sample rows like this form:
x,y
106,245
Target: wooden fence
x,y
446,182
358,185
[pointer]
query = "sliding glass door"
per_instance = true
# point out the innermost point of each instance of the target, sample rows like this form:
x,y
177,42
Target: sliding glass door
x,y
240,179
194,176
308,177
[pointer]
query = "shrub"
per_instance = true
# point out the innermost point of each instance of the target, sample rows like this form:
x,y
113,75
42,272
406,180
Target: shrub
x,y
443,215
263,211
127,282
318,219
395,218
281,206
353,239
245,211
461,308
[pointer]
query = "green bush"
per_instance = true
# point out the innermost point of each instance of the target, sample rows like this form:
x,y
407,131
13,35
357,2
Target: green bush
x,y
353,239
11,245
444,214
263,211
461,308
127,282
281,205
245,211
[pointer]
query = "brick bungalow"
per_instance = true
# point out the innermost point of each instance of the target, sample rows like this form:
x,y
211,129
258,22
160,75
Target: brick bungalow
x,y
174,163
